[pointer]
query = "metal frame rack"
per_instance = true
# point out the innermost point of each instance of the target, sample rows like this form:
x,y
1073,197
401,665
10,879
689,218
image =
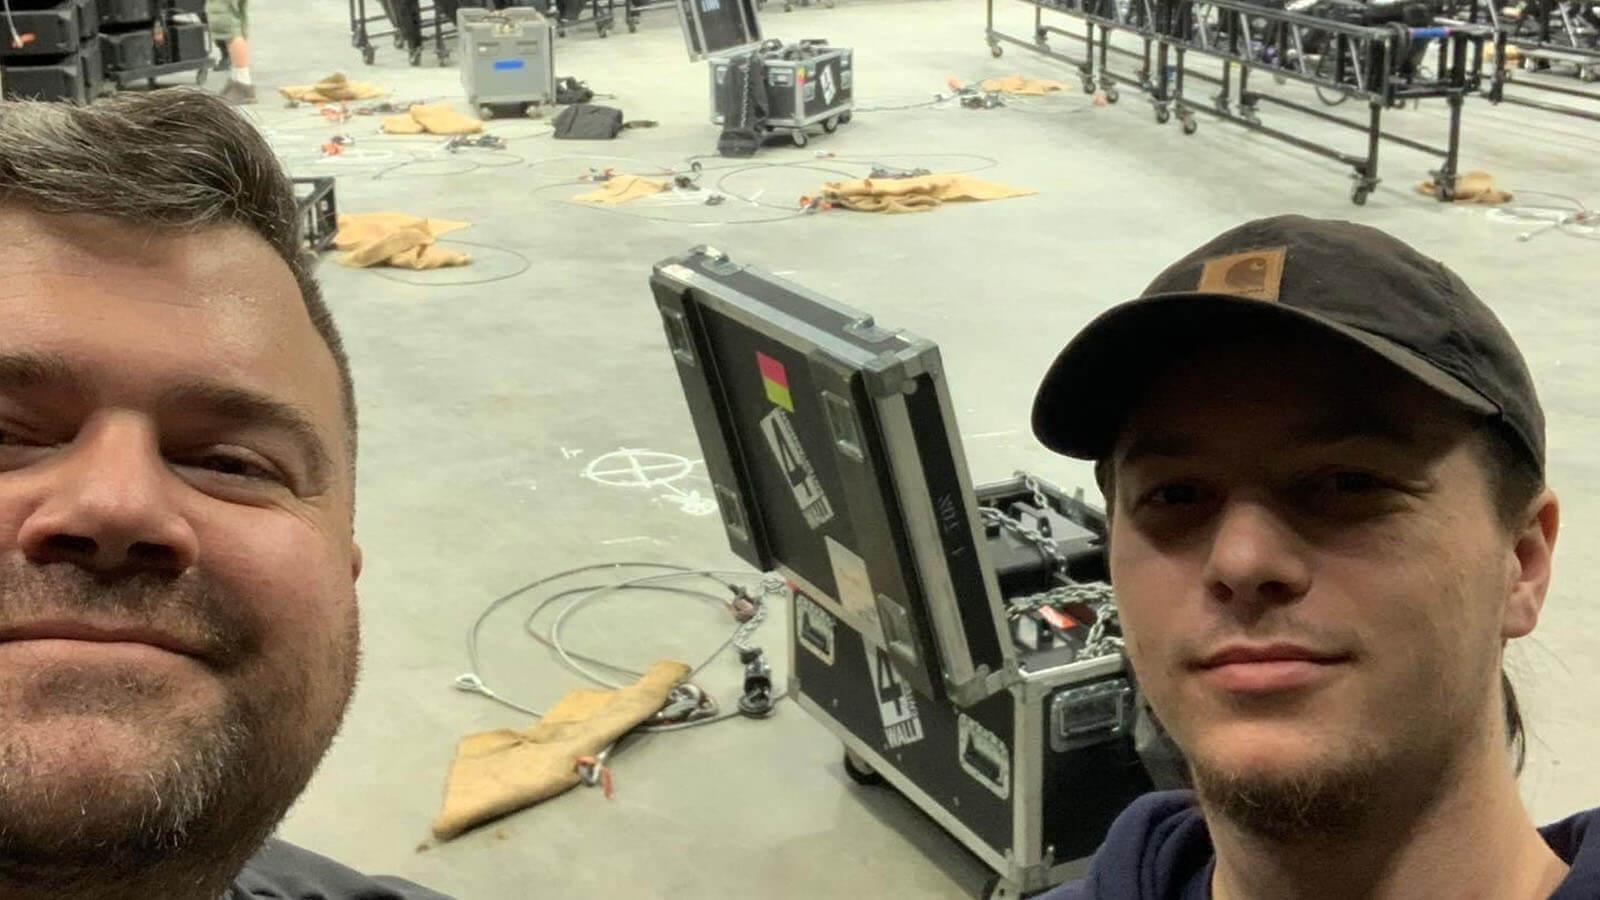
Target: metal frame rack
x,y
1548,34
1372,63
602,13
433,27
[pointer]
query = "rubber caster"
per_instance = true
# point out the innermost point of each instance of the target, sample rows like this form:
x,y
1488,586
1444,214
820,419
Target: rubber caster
x,y
799,137
830,125
860,772
1112,96
444,60
533,111
1250,116
416,57
1443,192
633,27
845,117
1359,196
996,51
486,112
602,31
997,888
1088,85
1190,126
1163,115
561,32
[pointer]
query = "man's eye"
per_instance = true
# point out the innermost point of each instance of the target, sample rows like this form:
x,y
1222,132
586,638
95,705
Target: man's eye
x,y
1176,494
1355,482
234,467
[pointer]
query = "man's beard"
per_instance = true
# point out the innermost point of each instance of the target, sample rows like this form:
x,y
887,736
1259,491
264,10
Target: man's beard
x,y
206,787
1321,803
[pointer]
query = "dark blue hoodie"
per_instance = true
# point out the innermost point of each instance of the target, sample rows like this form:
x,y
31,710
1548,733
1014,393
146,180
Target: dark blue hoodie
x,y
1159,849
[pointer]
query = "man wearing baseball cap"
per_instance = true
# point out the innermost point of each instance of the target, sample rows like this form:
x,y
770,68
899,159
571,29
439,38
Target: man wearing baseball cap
x,y
1323,458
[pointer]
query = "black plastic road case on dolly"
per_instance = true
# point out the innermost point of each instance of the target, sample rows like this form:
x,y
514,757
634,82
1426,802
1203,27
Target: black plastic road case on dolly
x,y
767,86
961,644
59,56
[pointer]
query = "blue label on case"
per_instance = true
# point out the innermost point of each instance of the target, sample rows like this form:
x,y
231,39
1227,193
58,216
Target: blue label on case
x,y
506,65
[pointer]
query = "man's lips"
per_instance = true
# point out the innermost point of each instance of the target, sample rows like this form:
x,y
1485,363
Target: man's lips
x,y
1269,668
100,633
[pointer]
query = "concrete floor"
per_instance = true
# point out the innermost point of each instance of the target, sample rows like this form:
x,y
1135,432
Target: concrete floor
x,y
482,405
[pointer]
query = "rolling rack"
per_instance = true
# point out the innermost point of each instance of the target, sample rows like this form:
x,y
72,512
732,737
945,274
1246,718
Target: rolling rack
x,y
433,26
132,54
602,13
1548,34
1377,64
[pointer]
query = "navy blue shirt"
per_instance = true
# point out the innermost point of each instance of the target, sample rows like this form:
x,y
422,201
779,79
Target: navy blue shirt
x,y
282,871
1160,849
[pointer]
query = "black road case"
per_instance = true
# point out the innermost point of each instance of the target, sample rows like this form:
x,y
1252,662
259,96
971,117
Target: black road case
x,y
960,643
794,86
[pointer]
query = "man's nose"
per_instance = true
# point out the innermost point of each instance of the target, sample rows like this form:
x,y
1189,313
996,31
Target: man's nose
x,y
1256,558
108,505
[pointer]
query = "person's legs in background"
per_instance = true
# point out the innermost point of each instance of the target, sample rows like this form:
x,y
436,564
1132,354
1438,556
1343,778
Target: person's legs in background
x,y
230,27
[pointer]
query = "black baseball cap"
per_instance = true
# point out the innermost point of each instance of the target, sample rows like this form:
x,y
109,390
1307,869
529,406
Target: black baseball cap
x,y
1352,283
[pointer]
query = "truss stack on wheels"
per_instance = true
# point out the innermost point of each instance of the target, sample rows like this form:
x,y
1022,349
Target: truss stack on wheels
x,y
414,26
1551,38
1380,65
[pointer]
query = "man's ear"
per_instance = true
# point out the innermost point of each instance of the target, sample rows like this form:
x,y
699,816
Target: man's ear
x,y
1532,555
355,561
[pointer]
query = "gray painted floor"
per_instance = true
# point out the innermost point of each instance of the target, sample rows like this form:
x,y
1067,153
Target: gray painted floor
x,y
482,405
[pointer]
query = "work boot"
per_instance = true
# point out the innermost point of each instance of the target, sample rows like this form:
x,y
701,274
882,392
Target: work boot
x,y
239,94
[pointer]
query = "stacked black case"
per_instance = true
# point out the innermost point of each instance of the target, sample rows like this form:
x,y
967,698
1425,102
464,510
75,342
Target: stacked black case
x,y
60,54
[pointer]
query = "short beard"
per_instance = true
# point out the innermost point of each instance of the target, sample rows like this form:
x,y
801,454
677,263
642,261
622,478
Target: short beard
x,y
1324,804
213,784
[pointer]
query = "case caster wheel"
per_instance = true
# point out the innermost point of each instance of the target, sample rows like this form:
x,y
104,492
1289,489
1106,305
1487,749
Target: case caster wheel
x,y
1112,96
997,888
860,772
800,137
444,58
633,27
1088,85
1443,191
830,125
1359,195
1163,115
1250,115
1190,126
996,51
486,112
602,31
368,54
845,117
416,57
533,111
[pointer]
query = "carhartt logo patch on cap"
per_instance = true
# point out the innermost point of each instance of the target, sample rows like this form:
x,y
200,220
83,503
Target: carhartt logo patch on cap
x,y
1256,274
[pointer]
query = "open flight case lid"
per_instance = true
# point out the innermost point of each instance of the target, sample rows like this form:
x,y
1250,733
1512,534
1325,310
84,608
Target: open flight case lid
x,y
833,454
717,27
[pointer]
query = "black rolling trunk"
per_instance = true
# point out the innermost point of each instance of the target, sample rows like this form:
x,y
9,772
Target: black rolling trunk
x,y
185,41
795,85
60,80
190,7
128,50
126,12
56,31
926,633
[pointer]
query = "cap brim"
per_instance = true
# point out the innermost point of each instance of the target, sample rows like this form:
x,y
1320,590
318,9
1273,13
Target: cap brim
x,y
1081,403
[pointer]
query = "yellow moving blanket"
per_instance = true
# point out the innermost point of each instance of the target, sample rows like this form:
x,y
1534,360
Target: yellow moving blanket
x,y
396,239
333,89
1024,87
499,772
432,118
919,194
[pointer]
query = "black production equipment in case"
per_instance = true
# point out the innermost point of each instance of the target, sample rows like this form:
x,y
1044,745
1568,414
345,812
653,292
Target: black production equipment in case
x,y
1378,59
413,24
318,210
960,643
761,87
